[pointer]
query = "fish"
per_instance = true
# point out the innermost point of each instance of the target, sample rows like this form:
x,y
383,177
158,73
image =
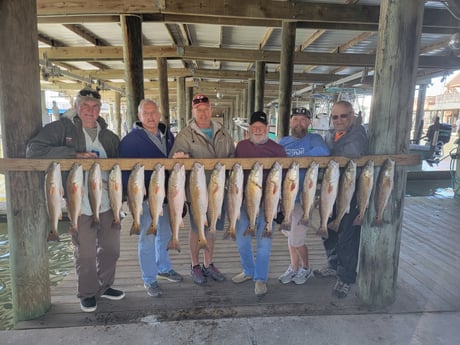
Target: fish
x,y
347,185
199,202
308,193
176,200
136,193
157,195
329,188
95,190
365,185
383,190
54,191
216,191
253,196
234,199
290,190
272,196
115,192
74,195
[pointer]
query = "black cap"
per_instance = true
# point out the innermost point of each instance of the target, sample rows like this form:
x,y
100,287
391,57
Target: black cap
x,y
301,111
259,116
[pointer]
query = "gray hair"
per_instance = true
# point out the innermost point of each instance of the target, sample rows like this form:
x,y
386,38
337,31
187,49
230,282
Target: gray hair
x,y
143,102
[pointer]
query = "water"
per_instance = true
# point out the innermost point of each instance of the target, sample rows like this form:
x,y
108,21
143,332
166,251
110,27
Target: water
x,y
441,188
60,264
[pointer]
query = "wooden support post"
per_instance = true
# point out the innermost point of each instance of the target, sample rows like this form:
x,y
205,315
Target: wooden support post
x,y
164,91
180,103
189,97
419,112
259,86
286,72
244,102
251,89
134,64
117,121
389,130
21,118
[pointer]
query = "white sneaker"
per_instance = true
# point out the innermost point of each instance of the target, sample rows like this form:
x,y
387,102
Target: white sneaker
x,y
302,275
287,276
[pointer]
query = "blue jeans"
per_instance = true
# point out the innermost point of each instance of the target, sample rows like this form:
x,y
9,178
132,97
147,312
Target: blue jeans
x,y
153,250
257,266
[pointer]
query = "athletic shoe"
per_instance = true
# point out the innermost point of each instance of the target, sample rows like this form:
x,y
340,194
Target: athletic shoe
x,y
287,276
325,272
88,305
241,278
197,275
341,289
113,294
153,290
260,288
213,273
171,276
302,275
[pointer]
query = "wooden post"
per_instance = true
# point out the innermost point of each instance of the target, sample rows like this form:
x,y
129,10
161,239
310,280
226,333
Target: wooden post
x,y
389,131
286,72
134,64
21,118
251,89
162,64
244,102
117,114
259,86
181,103
188,109
419,112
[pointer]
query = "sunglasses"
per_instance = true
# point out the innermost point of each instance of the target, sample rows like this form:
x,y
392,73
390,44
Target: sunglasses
x,y
200,100
342,116
86,93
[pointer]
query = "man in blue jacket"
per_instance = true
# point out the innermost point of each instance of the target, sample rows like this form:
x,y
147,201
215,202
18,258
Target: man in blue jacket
x,y
151,138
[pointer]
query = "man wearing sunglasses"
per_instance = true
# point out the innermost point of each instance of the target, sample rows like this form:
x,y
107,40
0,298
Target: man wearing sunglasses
x,y
348,139
203,138
82,133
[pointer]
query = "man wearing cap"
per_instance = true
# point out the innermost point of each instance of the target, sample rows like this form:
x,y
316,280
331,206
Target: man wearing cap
x,y
299,144
82,133
203,138
255,265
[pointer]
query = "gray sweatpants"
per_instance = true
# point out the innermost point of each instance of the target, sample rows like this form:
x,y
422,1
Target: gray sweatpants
x,y
96,251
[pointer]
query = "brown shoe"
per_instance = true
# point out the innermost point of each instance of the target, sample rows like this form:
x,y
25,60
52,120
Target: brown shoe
x,y
241,278
260,288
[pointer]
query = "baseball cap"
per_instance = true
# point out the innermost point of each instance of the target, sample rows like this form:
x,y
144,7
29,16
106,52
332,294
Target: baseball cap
x,y
88,94
301,111
259,116
199,99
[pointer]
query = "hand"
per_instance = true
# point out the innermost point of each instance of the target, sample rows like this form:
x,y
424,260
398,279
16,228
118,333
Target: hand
x,y
180,154
87,155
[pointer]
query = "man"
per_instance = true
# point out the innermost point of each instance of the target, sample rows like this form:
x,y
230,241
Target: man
x,y
151,138
203,138
300,143
82,133
350,140
258,145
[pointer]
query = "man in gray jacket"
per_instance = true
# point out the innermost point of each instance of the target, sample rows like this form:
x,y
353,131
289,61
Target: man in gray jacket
x,y
202,138
82,133
348,139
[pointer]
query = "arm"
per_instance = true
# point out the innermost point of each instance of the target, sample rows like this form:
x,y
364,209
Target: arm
x,y
51,142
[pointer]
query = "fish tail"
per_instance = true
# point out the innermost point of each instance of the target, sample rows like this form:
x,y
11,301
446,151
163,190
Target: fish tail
x,y
378,222
211,233
152,229
322,232
202,244
334,225
358,220
174,244
305,221
267,233
230,234
285,226
135,229
250,231
53,236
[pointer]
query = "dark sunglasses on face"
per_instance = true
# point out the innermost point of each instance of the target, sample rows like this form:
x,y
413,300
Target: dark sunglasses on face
x,y
86,93
201,100
342,116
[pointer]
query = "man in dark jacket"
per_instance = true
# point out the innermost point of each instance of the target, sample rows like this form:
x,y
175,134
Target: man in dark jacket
x,y
82,133
348,139
150,138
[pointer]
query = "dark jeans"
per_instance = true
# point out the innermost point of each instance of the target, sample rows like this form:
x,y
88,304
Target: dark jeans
x,y
342,247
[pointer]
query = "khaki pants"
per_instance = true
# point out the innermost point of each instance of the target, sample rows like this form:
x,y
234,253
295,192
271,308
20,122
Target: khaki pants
x,y
96,251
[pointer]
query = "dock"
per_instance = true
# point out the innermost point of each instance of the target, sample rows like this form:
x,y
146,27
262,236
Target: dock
x,y
428,279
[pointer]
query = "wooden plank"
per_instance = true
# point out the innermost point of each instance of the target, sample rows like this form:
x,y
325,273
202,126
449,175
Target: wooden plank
x,y
23,164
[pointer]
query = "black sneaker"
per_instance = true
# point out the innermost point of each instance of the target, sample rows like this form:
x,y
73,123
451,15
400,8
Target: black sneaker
x,y
113,294
153,290
88,305
213,273
197,275
341,289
